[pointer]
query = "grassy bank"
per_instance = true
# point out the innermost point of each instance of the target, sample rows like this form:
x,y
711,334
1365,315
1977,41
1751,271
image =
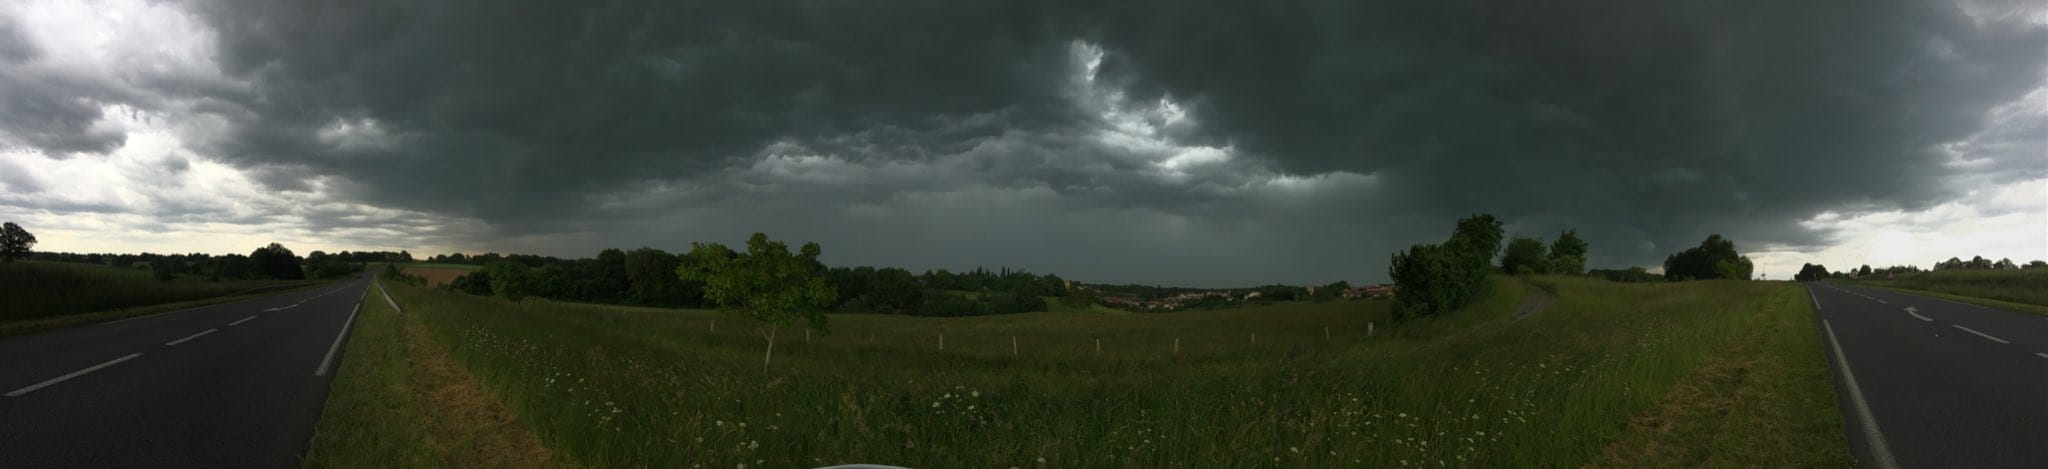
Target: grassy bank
x,y
2019,290
42,295
398,400
612,387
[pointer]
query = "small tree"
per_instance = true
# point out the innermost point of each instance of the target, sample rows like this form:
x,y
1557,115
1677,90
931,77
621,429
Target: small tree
x,y
766,283
14,242
1524,256
1568,254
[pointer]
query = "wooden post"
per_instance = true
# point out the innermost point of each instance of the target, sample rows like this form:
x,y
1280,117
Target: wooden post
x,y
1255,339
807,335
1326,333
942,341
1368,329
1013,346
1098,346
1176,345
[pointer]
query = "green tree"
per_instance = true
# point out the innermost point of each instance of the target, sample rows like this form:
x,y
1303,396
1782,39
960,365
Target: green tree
x,y
1439,278
1568,254
1715,257
766,283
276,261
14,242
1811,272
1524,256
510,280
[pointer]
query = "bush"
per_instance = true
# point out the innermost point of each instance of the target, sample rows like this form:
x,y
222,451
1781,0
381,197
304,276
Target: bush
x,y
1440,278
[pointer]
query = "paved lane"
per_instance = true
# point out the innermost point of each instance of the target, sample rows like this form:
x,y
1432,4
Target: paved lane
x,y
1946,384
227,385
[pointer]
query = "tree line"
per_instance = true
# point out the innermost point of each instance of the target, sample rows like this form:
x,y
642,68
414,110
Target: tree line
x,y
1438,278
273,261
649,277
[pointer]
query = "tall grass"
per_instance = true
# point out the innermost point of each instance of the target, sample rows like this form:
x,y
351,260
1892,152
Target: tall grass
x,y
36,290
2026,286
657,388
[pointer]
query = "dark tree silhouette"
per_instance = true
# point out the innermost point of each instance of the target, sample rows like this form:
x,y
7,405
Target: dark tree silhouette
x,y
14,242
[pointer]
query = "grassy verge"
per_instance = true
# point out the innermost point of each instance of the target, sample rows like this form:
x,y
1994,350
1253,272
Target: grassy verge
x,y
1764,400
1295,384
398,400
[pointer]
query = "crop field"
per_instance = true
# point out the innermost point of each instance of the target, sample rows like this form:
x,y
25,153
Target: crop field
x,y
38,290
2024,286
1291,384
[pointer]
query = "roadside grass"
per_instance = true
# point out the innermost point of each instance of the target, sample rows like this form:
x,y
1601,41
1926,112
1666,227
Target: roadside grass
x,y
611,386
48,295
398,400
436,276
1766,400
2006,289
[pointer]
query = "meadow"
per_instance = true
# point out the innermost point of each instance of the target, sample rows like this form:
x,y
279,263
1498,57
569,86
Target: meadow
x,y
43,290
1606,374
2027,287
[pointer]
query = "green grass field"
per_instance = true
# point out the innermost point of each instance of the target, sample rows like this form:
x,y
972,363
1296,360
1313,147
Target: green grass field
x,y
44,291
1053,305
1572,385
2028,287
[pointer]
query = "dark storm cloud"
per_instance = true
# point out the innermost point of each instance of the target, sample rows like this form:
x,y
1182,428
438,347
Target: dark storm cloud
x,y
1645,125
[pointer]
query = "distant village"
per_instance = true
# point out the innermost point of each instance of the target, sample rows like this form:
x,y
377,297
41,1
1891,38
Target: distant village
x,y
1172,299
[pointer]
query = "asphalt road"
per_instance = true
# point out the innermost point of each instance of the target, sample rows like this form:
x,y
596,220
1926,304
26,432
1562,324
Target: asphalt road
x,y
1940,383
229,385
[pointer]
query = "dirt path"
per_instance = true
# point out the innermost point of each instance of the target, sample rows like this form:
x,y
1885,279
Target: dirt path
x,y
1531,304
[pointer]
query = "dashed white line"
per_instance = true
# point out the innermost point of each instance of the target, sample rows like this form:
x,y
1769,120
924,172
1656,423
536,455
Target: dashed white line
x,y
2042,355
190,337
1879,451
74,374
243,320
322,370
1980,334
1916,314
282,308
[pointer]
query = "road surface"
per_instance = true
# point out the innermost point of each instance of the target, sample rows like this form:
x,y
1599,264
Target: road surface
x,y
229,385
1936,383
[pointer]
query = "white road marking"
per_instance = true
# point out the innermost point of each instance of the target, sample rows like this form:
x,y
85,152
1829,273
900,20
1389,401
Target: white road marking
x,y
243,320
2042,355
1882,301
1980,334
74,374
387,298
282,308
189,338
1878,449
1816,299
1916,313
322,370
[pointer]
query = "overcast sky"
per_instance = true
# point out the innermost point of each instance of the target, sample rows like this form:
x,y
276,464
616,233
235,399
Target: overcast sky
x,y
1202,143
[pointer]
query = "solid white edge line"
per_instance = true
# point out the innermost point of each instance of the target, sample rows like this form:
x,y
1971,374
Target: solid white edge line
x,y
1980,334
1917,315
1816,299
74,374
324,362
1878,449
243,320
193,336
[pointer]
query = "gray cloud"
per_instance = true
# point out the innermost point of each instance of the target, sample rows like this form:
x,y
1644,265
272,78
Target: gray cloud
x,y
1305,141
